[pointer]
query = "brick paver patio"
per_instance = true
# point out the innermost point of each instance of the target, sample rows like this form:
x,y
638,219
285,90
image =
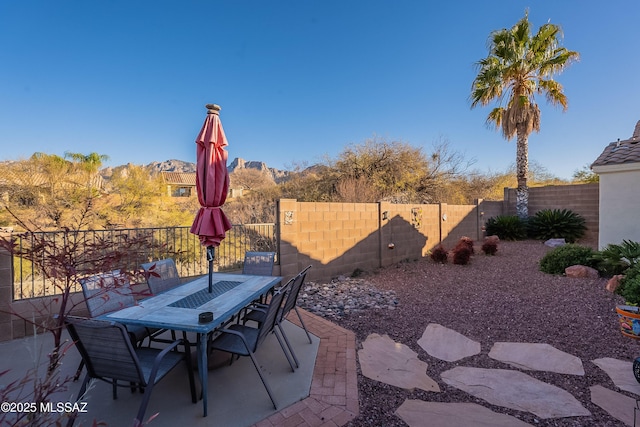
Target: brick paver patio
x,y
333,398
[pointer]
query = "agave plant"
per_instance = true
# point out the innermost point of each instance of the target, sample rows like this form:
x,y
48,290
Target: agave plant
x,y
554,224
507,227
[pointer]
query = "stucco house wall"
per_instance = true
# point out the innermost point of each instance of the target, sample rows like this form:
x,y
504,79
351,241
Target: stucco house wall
x,y
619,170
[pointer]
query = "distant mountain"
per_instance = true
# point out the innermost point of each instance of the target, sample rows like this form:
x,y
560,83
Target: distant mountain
x,y
174,165
277,175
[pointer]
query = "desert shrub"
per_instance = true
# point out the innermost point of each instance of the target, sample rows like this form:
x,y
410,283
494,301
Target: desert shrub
x,y
507,227
465,242
439,254
556,224
490,247
461,255
556,260
630,285
615,259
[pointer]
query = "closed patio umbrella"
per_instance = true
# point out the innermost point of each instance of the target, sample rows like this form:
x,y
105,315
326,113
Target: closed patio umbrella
x,y
212,184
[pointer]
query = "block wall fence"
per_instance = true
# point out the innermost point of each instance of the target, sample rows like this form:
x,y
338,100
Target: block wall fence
x,y
341,238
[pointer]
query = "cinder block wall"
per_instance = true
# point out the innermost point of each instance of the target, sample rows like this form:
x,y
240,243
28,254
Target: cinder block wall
x,y
582,199
328,236
340,238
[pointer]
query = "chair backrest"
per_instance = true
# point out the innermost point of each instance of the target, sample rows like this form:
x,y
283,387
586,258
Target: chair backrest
x,y
294,291
161,275
106,349
271,315
258,263
106,292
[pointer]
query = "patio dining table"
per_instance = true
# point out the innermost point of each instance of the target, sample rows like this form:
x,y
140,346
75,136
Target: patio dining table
x,y
179,309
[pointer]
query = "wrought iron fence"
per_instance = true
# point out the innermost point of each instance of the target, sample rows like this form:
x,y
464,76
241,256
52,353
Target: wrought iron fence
x,y
164,242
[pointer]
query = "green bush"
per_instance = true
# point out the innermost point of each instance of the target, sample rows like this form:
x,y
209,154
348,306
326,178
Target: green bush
x,y
630,285
615,259
556,260
556,224
507,227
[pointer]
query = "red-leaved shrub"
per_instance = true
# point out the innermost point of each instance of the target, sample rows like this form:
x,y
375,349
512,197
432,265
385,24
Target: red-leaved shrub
x,y
490,247
439,254
465,241
461,255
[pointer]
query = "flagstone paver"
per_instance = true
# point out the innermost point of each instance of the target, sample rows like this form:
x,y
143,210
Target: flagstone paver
x,y
385,360
515,390
616,404
447,344
536,356
439,414
620,372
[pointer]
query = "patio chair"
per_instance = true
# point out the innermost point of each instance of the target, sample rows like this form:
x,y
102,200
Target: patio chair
x,y
161,275
242,340
109,356
257,314
258,263
107,292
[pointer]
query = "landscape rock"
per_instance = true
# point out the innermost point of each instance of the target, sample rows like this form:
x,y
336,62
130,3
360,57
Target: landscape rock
x,y
344,295
614,282
617,404
536,356
387,361
515,390
581,271
447,344
620,372
415,412
554,243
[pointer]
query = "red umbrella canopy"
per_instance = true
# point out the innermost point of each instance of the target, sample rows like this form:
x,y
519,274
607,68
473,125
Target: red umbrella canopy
x,y
212,180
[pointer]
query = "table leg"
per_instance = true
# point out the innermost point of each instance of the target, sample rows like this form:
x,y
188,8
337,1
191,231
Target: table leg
x,y
203,369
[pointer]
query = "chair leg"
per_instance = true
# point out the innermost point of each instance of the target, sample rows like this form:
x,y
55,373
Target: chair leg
x,y
78,371
302,323
81,392
143,405
187,357
264,380
286,340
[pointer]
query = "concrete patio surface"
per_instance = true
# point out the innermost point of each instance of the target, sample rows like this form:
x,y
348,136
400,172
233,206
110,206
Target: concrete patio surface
x,y
322,391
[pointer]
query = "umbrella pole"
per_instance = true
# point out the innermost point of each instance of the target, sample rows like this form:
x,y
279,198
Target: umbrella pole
x,y
210,255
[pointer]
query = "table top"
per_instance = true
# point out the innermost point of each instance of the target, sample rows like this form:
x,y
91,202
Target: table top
x,y
178,308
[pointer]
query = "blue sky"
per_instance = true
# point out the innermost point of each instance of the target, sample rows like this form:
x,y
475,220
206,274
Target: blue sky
x,y
299,80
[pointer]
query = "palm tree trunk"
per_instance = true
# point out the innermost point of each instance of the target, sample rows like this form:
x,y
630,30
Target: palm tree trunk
x,y
522,170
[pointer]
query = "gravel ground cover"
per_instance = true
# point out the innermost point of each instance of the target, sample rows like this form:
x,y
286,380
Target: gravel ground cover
x,y
501,298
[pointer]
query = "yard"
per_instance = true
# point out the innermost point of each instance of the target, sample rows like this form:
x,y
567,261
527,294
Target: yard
x,y
501,298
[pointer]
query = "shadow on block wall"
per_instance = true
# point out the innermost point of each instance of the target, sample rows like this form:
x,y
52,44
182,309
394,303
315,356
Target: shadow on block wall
x,y
394,241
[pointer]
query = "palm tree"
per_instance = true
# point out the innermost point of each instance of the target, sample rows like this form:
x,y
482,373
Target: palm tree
x,y
519,66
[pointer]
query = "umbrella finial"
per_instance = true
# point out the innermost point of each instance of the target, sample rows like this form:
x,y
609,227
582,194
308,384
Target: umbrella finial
x,y
213,108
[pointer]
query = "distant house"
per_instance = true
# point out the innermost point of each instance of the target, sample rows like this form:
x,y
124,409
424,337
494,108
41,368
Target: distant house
x,y
619,169
180,184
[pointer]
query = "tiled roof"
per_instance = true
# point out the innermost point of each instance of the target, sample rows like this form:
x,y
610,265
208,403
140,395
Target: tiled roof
x,y
616,153
179,178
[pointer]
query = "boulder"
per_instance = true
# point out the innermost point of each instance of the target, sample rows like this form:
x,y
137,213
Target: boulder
x,y
554,243
581,271
614,282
